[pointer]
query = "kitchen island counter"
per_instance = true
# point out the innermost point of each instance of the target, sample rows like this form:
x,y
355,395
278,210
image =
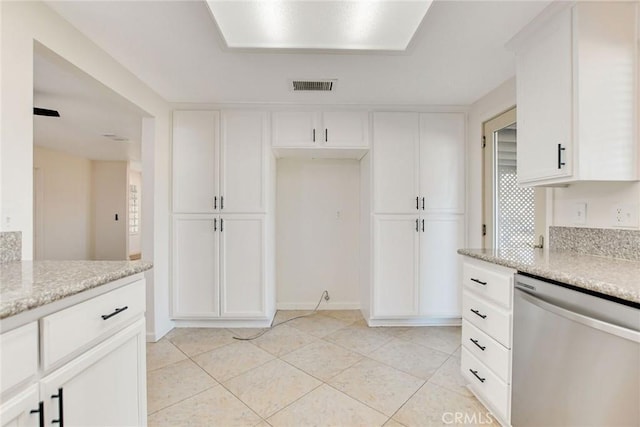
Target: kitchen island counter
x,y
614,277
30,285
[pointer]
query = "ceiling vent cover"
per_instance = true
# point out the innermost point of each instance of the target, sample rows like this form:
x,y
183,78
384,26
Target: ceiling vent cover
x,y
313,85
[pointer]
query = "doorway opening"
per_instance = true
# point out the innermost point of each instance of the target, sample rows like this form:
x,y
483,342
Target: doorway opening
x,y
509,218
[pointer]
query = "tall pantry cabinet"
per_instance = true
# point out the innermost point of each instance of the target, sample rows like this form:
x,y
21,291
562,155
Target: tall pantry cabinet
x,y
418,215
222,257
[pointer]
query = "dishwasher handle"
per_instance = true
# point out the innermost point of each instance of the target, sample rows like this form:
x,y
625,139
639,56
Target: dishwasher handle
x,y
579,318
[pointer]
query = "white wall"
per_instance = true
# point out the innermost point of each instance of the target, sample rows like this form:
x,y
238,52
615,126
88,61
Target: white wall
x,y
110,197
600,198
317,248
22,24
135,246
65,209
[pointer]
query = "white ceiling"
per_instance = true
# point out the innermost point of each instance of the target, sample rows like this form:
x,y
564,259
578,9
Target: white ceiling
x,y
87,110
326,24
456,57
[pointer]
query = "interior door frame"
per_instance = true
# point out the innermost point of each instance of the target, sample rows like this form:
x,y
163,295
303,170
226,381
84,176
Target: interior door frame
x,y
541,195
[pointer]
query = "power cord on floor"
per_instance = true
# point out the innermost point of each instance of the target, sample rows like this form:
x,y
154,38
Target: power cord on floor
x,y
324,295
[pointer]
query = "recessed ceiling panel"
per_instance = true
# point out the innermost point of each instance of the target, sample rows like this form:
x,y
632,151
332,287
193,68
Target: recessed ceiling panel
x,y
332,25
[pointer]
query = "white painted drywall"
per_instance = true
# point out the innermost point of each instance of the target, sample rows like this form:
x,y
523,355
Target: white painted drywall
x,y
110,210
317,229
65,208
135,246
22,24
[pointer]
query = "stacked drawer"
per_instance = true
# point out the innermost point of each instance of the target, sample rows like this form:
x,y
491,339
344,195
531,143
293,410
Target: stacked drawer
x,y
486,334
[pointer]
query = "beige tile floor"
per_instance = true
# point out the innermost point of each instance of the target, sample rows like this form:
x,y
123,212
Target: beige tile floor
x,y
328,369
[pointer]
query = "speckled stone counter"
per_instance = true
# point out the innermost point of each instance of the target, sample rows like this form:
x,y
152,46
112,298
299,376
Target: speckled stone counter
x,y
610,276
25,285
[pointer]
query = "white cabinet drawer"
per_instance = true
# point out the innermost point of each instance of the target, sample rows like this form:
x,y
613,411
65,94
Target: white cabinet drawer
x,y
487,350
68,330
492,281
19,361
489,318
486,384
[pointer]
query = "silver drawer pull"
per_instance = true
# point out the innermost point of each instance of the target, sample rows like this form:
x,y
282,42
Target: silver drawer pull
x,y
479,281
477,313
478,345
116,311
475,374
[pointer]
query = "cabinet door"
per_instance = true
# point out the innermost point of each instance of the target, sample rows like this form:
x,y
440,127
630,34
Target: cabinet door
x,y
16,412
195,161
545,99
345,129
195,266
442,162
395,289
242,254
440,265
243,161
106,386
295,129
395,162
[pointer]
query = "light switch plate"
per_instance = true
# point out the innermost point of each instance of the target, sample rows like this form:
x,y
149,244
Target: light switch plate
x,y
580,213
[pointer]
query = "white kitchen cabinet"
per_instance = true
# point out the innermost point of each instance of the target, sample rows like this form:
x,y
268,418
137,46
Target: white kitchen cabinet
x,y
104,386
396,142
20,411
577,93
312,129
395,265
487,334
219,266
418,162
219,161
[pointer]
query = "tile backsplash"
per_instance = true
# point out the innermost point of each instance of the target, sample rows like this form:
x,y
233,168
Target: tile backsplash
x,y
606,242
10,246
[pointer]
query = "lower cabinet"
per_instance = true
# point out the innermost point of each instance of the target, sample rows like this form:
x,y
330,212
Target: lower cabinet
x,y
416,269
22,410
487,334
219,266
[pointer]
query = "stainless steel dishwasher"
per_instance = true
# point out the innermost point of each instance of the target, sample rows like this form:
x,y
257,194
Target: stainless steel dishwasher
x,y
576,357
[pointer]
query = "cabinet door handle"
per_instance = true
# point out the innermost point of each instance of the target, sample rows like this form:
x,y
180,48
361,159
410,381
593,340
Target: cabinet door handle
x,y
423,203
423,225
116,311
477,313
417,224
221,225
221,202
475,374
40,412
215,202
60,419
314,135
326,135
479,281
560,162
215,224
478,345
417,203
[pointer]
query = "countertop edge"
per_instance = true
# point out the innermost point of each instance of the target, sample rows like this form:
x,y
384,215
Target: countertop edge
x,y
584,282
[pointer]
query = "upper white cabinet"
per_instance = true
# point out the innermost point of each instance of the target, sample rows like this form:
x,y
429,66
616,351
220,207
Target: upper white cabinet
x,y
341,129
577,94
219,161
418,162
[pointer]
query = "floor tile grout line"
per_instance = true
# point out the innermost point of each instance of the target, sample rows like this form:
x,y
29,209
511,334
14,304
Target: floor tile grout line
x,y
182,400
358,400
408,399
294,401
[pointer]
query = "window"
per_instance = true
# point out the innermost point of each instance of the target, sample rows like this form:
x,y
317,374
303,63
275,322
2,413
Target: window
x,y
134,210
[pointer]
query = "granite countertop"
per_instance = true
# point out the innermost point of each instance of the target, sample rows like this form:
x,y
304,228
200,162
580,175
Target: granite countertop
x,y
25,285
610,276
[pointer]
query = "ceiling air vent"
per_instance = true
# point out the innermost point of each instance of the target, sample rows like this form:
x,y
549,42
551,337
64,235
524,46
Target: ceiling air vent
x,y
313,85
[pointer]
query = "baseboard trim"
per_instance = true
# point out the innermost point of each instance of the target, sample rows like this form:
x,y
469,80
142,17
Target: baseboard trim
x,y
222,323
325,305
422,321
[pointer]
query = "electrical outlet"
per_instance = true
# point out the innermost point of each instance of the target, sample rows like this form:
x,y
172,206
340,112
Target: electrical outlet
x,y
625,215
580,213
